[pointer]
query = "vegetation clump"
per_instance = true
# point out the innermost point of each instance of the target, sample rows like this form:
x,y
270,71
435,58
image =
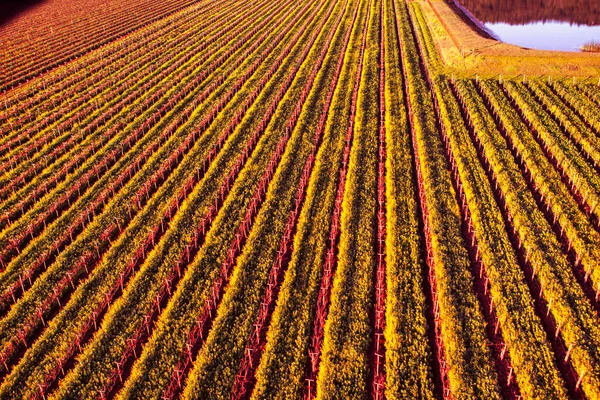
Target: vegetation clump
x,y
593,46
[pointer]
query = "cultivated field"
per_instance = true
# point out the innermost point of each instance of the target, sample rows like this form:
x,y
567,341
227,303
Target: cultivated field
x,y
288,199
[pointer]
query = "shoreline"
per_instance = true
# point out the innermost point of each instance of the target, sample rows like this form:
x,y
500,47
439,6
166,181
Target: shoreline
x,y
467,50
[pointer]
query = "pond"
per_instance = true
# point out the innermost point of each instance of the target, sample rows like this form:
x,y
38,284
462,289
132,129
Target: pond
x,y
564,25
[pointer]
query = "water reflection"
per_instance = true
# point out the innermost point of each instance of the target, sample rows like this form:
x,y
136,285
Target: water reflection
x,y
580,12
9,9
541,24
546,35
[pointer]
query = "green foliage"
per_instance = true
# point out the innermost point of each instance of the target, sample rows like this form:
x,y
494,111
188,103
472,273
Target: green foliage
x,y
569,308
530,354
